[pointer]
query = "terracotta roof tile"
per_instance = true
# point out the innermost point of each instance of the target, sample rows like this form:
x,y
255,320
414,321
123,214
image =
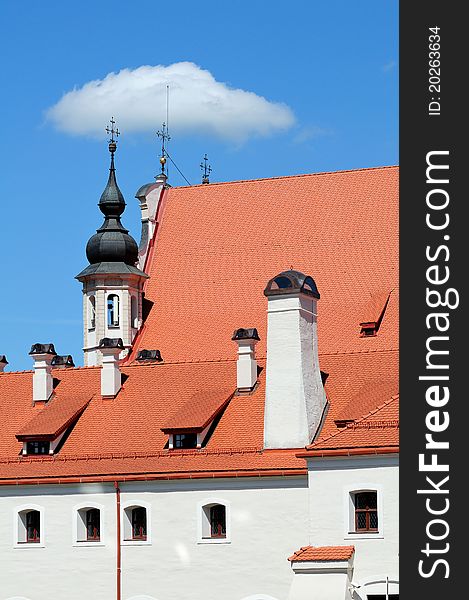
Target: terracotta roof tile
x,y
198,411
55,417
322,553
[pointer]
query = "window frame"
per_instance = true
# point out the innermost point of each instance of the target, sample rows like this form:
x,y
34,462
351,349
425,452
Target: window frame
x,y
79,529
126,522
349,492
116,307
18,523
204,524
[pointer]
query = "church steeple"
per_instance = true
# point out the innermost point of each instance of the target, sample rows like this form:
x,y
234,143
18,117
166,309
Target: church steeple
x,y
112,284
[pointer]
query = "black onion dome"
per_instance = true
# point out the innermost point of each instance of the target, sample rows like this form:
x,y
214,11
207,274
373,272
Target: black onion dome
x,y
112,242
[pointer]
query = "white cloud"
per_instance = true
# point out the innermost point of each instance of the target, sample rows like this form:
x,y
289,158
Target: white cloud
x,y
198,103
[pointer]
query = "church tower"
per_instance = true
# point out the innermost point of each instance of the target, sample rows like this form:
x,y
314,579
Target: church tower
x,y
112,284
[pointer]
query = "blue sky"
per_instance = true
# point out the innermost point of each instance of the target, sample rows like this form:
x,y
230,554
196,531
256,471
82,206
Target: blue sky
x,y
327,72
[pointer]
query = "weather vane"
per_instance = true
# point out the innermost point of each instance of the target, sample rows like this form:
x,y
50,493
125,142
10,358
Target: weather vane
x,y
165,137
207,169
113,132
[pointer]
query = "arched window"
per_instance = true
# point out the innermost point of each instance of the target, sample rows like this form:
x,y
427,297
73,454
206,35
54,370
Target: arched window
x,y
135,527
113,310
89,525
29,527
366,511
92,312
134,311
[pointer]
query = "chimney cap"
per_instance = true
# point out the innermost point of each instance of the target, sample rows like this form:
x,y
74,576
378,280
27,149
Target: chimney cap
x,y
288,282
3,359
111,343
246,334
65,360
149,355
42,349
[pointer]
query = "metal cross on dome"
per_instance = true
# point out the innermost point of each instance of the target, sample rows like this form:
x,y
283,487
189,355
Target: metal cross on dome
x,y
112,131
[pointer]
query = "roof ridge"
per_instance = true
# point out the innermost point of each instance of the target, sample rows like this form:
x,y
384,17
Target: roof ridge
x,y
317,174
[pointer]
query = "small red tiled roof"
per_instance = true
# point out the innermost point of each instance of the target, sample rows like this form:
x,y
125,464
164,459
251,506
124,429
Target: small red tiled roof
x,y
370,395
373,311
54,418
322,553
198,411
379,428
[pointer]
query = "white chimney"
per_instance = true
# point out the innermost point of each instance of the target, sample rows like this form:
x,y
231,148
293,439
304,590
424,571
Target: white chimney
x,y
3,362
295,399
42,355
111,380
246,367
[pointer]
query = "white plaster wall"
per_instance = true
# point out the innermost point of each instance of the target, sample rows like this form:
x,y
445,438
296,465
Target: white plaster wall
x,y
330,481
268,522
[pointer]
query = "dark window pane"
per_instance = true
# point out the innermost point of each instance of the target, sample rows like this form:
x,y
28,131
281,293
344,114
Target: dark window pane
x,y
93,525
33,526
185,440
361,520
37,447
218,521
139,523
373,520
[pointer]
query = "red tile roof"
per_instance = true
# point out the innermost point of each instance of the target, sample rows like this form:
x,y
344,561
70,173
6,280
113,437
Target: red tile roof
x,y
377,429
216,247
55,417
322,553
198,411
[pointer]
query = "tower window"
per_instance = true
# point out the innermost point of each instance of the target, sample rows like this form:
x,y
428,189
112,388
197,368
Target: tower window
x,y
134,312
113,310
92,312
366,512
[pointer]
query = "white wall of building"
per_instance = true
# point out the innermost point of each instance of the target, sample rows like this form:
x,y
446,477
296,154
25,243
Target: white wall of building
x,y
330,482
268,522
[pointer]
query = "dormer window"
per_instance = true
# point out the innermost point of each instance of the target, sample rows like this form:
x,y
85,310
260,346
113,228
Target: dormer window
x,y
192,425
185,440
113,310
37,448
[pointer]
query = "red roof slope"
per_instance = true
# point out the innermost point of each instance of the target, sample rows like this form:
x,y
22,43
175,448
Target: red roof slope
x,y
216,248
378,429
322,553
55,417
199,411
219,244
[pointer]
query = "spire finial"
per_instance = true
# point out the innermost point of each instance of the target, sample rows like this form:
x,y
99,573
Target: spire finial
x,y
112,142
206,168
165,137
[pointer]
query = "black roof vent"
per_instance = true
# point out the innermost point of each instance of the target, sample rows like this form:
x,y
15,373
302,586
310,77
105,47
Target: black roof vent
x,y
3,359
42,349
290,282
62,362
246,334
111,343
149,355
